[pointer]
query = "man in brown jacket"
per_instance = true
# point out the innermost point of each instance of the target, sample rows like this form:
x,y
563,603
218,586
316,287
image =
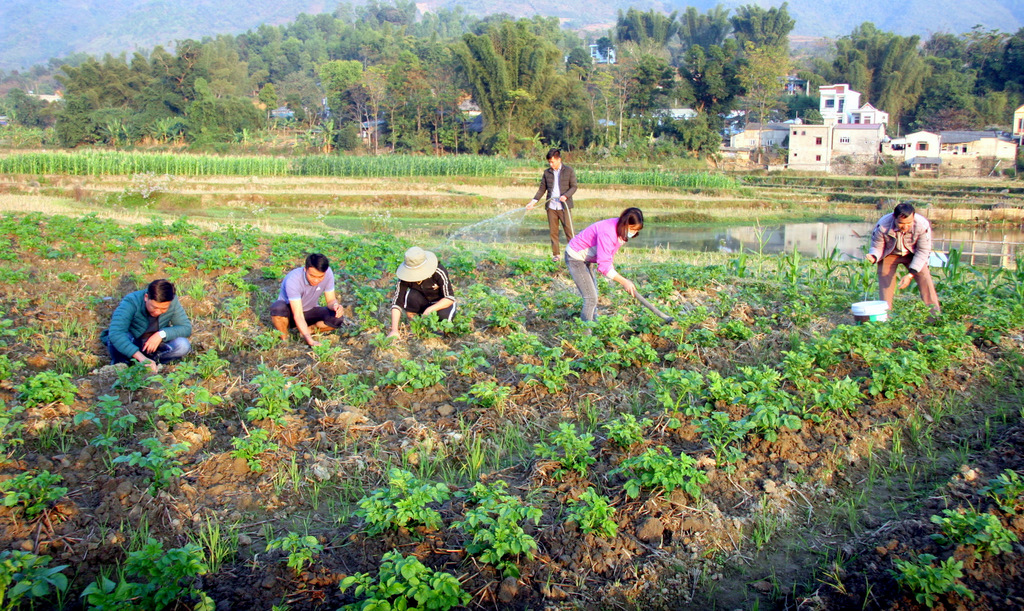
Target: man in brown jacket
x,y
903,238
559,182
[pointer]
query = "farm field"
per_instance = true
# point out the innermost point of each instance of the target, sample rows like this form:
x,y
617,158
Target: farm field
x,y
760,452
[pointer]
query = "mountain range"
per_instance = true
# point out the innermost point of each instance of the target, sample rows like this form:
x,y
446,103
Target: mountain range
x,y
33,32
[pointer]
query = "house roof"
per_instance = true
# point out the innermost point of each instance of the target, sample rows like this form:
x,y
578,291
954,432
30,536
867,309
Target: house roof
x,y
921,134
752,127
957,137
924,161
861,126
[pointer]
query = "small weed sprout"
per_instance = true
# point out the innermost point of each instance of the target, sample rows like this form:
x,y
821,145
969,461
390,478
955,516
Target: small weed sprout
x,y
32,493
593,514
252,446
300,549
47,387
658,469
570,450
403,503
968,527
402,580
1007,490
494,522
928,581
160,459
24,575
627,431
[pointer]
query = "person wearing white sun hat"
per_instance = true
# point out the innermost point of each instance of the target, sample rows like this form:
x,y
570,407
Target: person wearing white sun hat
x,y
423,288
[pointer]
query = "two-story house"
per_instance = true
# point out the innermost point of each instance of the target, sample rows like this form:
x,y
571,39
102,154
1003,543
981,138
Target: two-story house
x,y
810,147
840,104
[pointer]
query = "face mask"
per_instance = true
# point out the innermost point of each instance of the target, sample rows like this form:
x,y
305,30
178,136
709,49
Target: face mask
x,y
632,234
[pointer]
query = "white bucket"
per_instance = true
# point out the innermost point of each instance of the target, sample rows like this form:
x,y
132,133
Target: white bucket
x,y
870,311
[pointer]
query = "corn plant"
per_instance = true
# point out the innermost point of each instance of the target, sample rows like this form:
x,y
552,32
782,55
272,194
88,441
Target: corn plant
x,y
570,450
300,549
593,514
47,387
32,493
494,519
405,583
24,576
161,460
928,581
250,448
658,469
968,527
403,503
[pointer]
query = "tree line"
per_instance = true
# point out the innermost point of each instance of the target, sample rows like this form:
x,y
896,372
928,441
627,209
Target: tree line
x,y
383,77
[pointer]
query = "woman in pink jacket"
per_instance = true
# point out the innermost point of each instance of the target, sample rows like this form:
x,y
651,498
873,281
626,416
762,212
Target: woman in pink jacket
x,y
598,243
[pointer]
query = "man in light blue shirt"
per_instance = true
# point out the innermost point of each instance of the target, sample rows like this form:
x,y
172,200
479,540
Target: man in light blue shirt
x,y
298,302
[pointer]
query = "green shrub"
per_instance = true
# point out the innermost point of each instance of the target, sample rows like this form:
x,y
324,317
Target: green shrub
x,y
658,469
403,504
593,514
47,387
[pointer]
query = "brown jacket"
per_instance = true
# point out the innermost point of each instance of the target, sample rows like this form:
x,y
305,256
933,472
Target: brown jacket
x,y
918,241
566,184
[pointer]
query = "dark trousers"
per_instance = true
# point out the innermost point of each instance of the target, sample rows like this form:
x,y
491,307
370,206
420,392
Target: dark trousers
x,y
563,216
887,269
312,316
167,351
415,303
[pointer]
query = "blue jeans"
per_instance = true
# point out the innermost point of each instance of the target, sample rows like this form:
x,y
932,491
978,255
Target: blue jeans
x,y
166,352
583,275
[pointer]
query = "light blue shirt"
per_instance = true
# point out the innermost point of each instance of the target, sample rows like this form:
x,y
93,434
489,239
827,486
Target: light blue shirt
x,y
296,286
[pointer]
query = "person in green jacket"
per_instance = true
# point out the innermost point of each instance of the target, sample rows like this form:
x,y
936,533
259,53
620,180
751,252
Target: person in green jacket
x,y
149,327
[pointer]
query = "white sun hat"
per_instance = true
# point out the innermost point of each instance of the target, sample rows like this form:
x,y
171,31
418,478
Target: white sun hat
x,y
419,265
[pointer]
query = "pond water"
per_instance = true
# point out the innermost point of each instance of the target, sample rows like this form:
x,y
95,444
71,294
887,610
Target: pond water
x,y
978,245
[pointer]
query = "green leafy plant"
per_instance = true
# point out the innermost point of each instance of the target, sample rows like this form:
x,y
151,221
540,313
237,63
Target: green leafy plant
x,y
494,520
160,459
723,433
593,514
414,375
277,393
928,581
1007,490
7,367
403,503
402,580
132,379
968,527
553,372
179,398
300,549
680,391
627,431
570,450
32,493
10,428
111,419
658,469
168,576
210,364
24,575
250,448
352,391
266,340
47,387
487,395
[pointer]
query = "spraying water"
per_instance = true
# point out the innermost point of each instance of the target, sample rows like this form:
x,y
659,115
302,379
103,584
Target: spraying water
x,y
493,229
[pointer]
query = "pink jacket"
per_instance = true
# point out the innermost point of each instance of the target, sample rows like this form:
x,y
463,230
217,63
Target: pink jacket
x,y
598,243
919,240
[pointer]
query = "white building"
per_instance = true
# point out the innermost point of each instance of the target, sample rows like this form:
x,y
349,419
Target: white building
x,y
840,104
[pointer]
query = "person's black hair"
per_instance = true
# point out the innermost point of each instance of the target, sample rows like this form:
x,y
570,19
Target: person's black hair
x,y
629,216
160,291
552,153
318,262
902,211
